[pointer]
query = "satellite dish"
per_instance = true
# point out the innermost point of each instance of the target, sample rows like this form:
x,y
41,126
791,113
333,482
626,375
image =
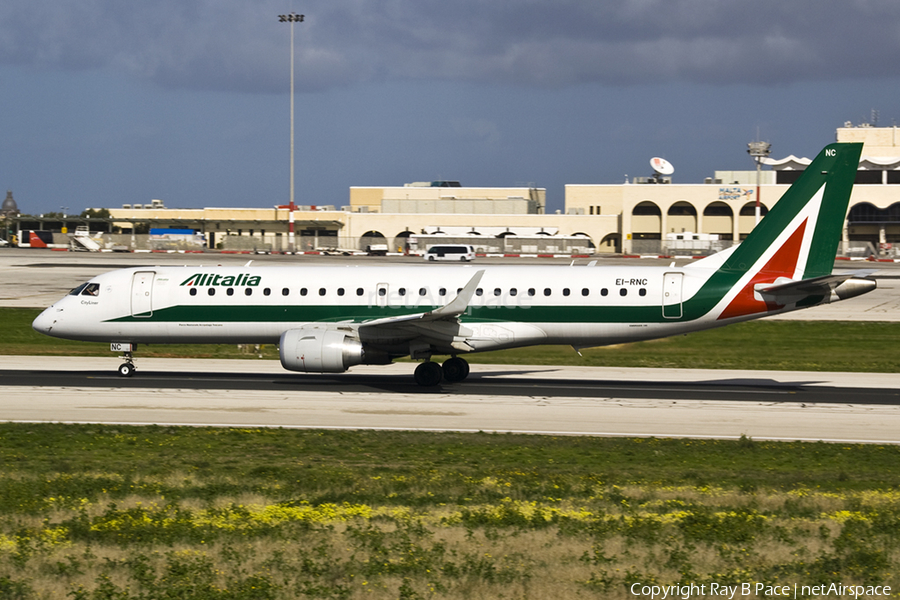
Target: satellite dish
x,y
661,166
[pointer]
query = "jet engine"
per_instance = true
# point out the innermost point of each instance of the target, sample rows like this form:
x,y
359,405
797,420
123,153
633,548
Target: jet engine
x,y
322,350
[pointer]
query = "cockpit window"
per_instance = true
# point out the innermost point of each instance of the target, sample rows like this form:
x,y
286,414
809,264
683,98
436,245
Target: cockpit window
x,y
91,289
77,290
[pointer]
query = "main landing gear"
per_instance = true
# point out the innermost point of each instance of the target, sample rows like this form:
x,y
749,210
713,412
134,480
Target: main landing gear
x,y
430,374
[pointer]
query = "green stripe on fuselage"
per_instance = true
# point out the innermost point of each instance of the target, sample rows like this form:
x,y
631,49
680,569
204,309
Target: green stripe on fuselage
x,y
358,314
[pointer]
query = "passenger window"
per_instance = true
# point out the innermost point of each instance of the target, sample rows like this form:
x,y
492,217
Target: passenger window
x,y
513,291
531,291
230,291
285,291
422,291
623,292
193,291
91,289
442,291
642,291
302,291
382,291
402,291
479,292
360,291
604,292
497,291
565,291
248,291
340,291
585,292
211,291
547,291
321,291
266,291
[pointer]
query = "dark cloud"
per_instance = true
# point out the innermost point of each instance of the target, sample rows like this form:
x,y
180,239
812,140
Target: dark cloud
x,y
240,46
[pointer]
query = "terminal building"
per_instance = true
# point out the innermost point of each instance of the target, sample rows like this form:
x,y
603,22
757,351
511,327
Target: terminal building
x,y
645,216
409,217
721,211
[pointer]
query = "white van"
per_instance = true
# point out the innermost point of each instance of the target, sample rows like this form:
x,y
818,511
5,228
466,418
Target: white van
x,y
451,252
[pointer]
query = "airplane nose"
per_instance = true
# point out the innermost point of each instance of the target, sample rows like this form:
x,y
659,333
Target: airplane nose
x,y
45,321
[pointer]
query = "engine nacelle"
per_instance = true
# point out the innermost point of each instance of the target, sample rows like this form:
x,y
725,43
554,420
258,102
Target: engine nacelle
x,y
320,350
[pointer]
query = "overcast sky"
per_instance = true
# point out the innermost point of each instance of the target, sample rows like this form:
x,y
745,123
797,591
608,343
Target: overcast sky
x,y
104,103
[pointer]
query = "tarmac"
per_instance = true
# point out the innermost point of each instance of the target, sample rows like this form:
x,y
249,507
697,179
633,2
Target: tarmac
x,y
767,405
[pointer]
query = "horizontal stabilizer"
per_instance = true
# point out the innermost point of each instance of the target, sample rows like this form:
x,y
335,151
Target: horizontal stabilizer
x,y
843,286
822,284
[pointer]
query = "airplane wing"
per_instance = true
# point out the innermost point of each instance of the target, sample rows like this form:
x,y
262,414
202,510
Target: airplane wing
x,y
439,327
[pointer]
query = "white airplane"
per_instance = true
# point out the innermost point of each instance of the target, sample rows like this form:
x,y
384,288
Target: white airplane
x,y
328,319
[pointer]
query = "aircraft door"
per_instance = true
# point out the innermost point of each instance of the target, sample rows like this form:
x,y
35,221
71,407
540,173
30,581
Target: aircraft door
x,y
672,295
142,294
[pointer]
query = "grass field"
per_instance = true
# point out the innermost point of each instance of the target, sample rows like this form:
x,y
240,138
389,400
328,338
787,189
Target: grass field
x,y
92,512
145,513
775,345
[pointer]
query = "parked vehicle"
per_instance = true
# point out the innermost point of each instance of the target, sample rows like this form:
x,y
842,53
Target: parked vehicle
x,y
459,252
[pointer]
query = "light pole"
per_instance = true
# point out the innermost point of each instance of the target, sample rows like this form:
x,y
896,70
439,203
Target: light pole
x,y
758,151
291,18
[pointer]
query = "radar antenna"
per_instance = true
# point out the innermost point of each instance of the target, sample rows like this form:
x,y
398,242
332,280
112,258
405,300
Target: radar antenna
x,y
661,167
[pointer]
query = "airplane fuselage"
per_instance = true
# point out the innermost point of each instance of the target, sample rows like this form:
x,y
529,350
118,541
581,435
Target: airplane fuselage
x,y
328,319
512,306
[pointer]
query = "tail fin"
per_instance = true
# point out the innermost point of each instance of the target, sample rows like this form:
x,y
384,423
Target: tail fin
x,y
799,236
796,240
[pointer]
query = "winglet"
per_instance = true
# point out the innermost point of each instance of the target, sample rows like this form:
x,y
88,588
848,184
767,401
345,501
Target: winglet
x,y
459,304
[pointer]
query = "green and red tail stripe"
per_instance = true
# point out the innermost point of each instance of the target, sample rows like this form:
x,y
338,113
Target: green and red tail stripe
x,y
796,241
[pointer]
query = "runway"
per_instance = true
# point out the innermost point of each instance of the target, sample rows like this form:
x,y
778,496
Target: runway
x,y
771,405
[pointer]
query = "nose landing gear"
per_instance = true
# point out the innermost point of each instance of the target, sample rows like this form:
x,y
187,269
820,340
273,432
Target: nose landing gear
x,y
127,368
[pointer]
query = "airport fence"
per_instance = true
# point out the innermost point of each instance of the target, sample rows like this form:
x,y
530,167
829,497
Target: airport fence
x,y
680,247
556,244
417,244
126,242
850,249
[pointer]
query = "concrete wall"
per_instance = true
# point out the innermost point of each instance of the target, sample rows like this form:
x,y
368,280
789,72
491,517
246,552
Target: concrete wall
x,y
699,196
877,141
482,206
372,199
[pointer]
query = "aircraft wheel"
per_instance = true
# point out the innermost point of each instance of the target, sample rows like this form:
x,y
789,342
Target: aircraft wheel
x,y
429,374
126,369
455,369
